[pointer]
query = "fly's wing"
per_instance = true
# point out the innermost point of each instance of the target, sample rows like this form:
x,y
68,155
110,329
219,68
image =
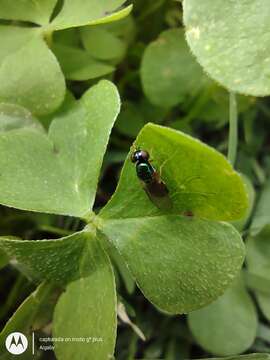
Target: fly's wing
x,y
162,202
159,195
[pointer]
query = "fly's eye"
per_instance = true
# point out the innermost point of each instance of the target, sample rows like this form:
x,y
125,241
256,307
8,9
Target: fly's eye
x,y
134,157
144,155
140,156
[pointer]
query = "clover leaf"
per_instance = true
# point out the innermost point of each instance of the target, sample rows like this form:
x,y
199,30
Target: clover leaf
x,y
79,13
93,300
258,250
65,163
78,64
233,51
255,356
180,262
49,259
15,117
37,82
166,62
27,313
108,42
41,89
261,217
234,318
34,11
199,179
165,241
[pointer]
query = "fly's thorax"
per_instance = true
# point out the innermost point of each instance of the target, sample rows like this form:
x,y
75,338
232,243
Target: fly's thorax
x,y
145,172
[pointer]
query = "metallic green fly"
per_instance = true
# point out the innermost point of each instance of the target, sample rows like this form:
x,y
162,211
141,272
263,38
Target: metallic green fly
x,y
153,185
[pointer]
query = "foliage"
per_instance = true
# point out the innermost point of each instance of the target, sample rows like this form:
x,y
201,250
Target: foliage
x,y
75,249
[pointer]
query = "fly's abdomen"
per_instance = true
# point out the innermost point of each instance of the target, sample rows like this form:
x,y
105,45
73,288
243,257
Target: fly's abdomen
x,y
145,172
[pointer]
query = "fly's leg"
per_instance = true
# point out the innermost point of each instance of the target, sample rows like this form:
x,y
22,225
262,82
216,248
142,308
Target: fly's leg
x,y
190,179
199,193
133,147
166,161
150,154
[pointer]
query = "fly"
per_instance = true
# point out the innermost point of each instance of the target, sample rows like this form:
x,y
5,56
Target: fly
x,y
153,185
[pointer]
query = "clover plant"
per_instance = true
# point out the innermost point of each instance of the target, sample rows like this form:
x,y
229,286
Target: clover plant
x,y
185,259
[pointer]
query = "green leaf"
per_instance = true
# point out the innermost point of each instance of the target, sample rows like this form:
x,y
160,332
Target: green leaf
x,y
109,41
259,356
66,105
263,332
58,173
116,16
240,224
16,117
214,110
258,262
180,263
68,37
150,111
23,318
120,266
4,260
36,83
257,282
49,259
80,13
130,120
261,217
38,12
264,303
78,64
13,38
229,325
102,44
87,309
227,43
199,179
168,71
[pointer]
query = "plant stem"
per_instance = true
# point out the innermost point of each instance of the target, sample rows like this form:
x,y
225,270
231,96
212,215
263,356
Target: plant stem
x,y
233,131
55,230
199,104
48,37
13,296
132,346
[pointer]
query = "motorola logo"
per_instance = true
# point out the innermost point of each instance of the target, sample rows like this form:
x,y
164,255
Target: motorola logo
x,y
16,343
